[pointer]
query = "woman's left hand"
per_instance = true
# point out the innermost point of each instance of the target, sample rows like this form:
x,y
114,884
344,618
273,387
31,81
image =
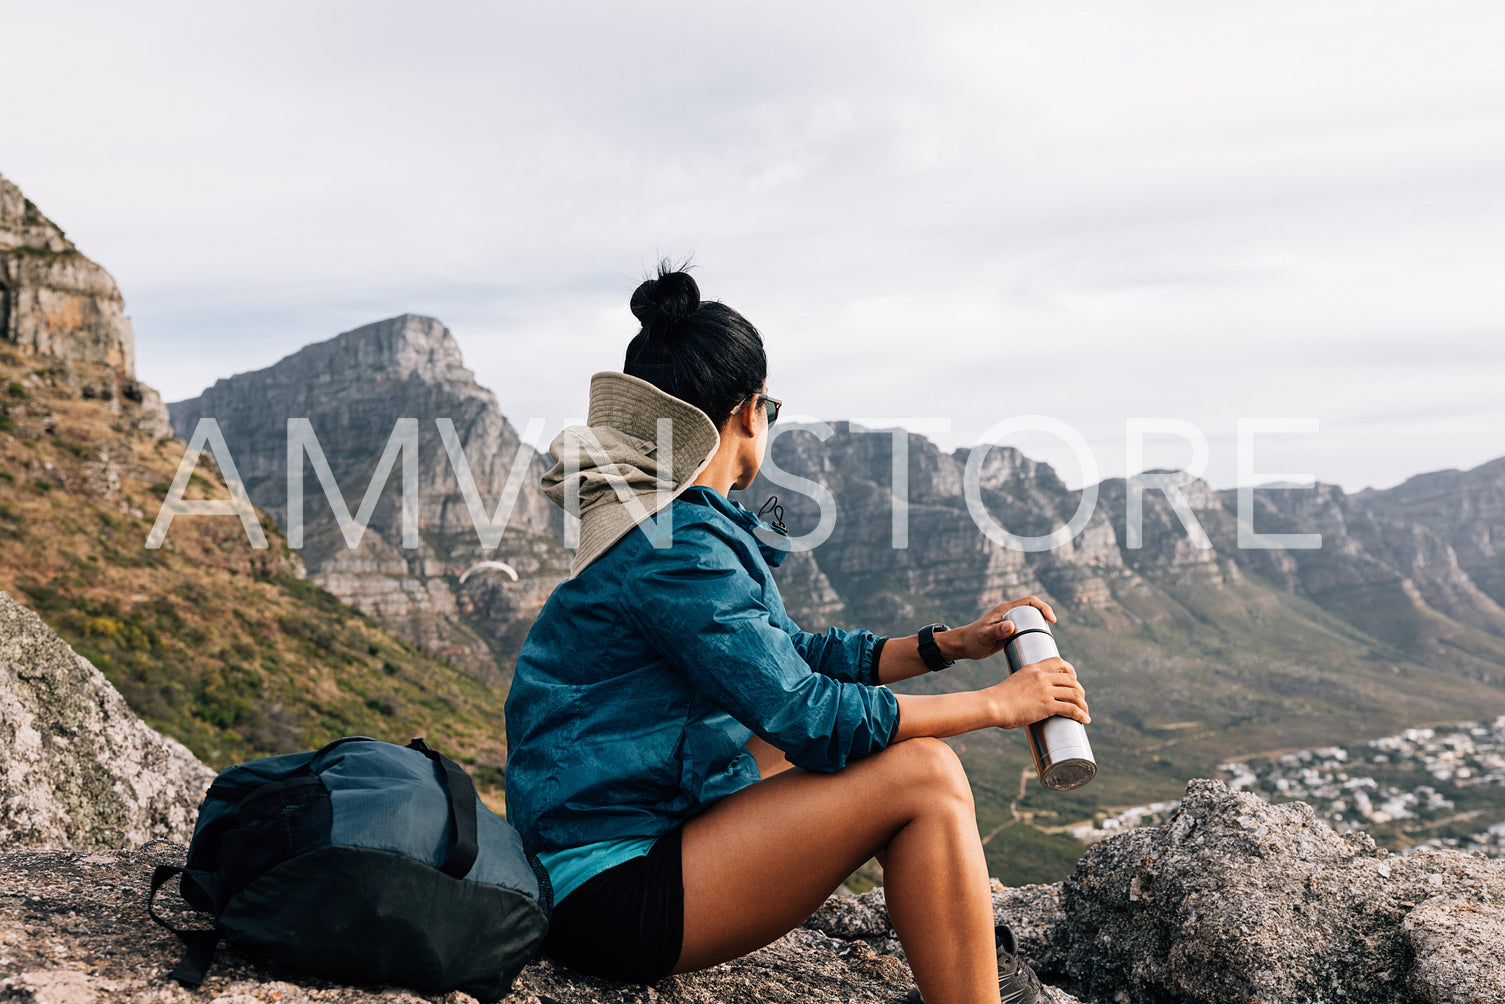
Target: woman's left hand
x,y
989,633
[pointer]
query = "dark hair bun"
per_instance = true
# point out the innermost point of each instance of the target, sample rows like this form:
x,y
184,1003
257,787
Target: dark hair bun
x,y
671,297
703,353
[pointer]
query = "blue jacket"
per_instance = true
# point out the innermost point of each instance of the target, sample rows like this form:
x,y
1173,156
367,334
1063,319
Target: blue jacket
x,y
645,675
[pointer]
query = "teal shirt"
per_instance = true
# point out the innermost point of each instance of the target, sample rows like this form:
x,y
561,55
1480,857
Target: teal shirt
x,y
570,868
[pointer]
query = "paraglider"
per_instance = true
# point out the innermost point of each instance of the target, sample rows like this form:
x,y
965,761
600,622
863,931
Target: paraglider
x,y
481,566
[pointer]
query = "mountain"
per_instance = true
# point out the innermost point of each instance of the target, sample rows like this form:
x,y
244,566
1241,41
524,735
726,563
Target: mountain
x,y
224,647
1420,566
353,390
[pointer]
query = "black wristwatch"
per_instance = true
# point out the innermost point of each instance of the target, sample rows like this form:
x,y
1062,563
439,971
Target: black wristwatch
x,y
931,652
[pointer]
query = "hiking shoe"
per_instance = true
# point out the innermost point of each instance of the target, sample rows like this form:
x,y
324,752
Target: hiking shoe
x,y
1017,983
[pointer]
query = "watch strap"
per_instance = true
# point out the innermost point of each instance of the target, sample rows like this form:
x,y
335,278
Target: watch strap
x,y
930,652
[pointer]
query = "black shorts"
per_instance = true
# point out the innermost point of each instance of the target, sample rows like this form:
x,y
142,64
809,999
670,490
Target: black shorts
x,y
628,922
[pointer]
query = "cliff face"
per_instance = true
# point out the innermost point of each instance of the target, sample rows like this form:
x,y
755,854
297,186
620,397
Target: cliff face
x,y
949,568
1417,568
1420,566
353,389
55,303
1464,509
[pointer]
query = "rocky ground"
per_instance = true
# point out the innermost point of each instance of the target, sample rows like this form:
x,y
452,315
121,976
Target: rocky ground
x,y
74,929
1232,900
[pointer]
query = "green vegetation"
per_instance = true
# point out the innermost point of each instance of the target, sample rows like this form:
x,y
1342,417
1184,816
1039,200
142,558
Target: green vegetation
x,y
234,681
218,645
12,526
1223,674
34,252
17,389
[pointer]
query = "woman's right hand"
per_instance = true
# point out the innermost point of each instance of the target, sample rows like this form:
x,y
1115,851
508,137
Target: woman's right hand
x,y
1038,691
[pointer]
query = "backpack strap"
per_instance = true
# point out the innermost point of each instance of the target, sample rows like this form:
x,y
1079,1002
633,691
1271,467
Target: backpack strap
x,y
462,810
198,945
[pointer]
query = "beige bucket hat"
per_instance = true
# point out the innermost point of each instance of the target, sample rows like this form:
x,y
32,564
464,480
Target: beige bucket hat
x,y
627,462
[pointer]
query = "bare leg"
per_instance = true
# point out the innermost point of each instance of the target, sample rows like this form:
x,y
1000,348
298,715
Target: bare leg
x,y
757,863
771,759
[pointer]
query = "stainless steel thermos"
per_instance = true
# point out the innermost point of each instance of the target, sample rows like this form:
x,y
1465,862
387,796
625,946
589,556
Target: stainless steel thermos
x,y
1063,756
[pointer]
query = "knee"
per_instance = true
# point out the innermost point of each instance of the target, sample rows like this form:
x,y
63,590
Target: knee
x,y
933,769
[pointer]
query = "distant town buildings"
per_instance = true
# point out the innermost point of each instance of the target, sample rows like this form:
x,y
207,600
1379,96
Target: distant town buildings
x,y
1437,787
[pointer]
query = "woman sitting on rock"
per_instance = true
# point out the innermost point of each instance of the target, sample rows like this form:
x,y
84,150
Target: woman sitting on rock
x,y
695,772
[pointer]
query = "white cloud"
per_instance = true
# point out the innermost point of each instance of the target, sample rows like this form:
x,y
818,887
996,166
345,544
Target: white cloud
x,y
1200,211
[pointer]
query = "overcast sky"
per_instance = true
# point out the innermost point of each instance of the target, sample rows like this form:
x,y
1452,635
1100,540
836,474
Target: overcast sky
x,y
965,212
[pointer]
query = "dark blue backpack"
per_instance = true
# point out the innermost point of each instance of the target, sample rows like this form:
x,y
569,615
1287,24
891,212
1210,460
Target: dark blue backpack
x,y
365,863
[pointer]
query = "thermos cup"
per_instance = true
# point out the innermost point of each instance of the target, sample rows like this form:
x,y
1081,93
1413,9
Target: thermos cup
x,y
1063,756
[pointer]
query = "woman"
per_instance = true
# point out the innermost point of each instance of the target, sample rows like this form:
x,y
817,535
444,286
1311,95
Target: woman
x,y
696,774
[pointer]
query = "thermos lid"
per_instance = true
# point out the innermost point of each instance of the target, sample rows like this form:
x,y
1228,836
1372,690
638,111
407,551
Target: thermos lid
x,y
1028,618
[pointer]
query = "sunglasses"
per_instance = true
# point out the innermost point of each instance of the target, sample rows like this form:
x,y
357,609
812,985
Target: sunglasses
x,y
770,404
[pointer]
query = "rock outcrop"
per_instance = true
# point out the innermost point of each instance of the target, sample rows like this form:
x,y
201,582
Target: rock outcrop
x,y
78,769
1235,900
57,304
353,389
